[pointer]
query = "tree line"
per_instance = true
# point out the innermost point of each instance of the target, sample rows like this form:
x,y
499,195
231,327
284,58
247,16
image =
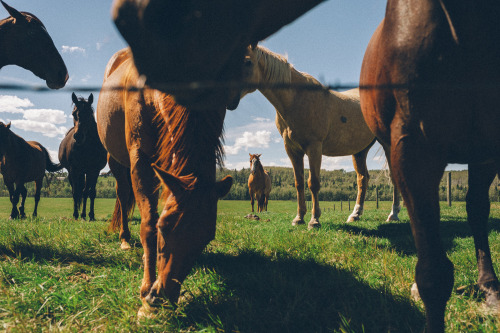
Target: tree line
x,y
336,185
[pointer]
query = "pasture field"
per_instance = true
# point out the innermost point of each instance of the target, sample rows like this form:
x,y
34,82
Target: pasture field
x,y
57,274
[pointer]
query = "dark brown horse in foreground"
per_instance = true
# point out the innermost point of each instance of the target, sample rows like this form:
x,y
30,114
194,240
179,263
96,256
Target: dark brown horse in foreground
x,y
259,183
22,162
26,43
199,41
158,140
437,71
82,154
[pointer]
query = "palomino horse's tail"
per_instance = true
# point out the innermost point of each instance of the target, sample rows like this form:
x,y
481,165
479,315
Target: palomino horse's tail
x,y
49,165
116,220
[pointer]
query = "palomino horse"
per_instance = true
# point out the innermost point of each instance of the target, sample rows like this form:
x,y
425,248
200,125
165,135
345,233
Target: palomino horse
x,y
175,42
259,183
431,75
82,154
157,139
315,123
22,162
26,43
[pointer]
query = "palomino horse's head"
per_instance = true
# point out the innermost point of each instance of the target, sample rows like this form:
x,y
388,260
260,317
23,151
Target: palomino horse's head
x,y
254,162
27,44
4,137
187,225
83,117
186,41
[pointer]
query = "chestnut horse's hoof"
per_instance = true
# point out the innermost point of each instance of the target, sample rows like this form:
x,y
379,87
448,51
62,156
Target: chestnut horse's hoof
x,y
298,221
313,224
147,311
125,245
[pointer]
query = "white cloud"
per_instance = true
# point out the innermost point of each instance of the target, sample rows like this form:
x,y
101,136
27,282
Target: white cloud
x,y
13,104
45,115
45,128
72,49
259,139
54,155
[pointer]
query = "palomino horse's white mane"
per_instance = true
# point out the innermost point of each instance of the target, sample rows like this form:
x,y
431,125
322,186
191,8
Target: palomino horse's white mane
x,y
277,69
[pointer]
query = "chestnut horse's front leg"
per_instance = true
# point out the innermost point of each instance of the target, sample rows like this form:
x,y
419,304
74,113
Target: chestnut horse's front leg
x,y
478,211
145,185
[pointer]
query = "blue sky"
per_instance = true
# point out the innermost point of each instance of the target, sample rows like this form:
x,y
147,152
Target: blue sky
x,y
328,43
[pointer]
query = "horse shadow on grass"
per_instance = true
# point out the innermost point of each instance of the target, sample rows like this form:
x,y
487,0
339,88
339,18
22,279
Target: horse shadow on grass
x,y
263,294
401,239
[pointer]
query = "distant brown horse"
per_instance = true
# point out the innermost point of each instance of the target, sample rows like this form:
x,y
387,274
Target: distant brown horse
x,y
259,183
199,41
315,123
83,155
159,140
26,43
22,162
431,75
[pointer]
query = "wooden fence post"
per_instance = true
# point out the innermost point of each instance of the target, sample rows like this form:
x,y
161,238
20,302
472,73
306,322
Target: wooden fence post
x,y
448,192
376,194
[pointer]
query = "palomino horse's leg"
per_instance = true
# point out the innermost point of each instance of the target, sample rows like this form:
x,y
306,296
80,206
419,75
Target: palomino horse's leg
x,y
359,162
396,207
90,186
145,185
297,159
478,211
123,196
38,189
314,153
417,174
24,192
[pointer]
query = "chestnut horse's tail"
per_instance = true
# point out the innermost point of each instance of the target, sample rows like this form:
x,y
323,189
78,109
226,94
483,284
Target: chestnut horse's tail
x,y
49,165
128,205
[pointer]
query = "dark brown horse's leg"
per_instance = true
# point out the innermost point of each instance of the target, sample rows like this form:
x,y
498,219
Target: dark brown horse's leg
x,y
478,210
297,159
14,199
359,163
315,154
417,174
90,186
24,192
145,184
38,189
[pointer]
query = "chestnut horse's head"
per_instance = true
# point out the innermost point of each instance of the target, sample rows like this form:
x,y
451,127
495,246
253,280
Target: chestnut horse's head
x,y
4,137
83,118
26,43
183,41
255,163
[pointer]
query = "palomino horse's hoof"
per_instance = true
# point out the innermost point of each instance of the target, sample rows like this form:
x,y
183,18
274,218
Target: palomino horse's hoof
x,y
313,224
392,218
352,218
125,245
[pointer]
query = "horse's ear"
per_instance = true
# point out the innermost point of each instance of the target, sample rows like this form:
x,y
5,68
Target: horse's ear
x,y
14,13
223,186
253,46
74,98
91,98
259,155
8,125
176,185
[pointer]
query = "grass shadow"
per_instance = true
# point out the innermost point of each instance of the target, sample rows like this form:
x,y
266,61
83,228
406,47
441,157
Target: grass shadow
x,y
289,295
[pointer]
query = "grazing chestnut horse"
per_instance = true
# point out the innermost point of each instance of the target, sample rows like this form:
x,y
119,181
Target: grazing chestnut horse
x,y
315,123
83,155
22,162
431,75
176,42
259,183
159,140
26,43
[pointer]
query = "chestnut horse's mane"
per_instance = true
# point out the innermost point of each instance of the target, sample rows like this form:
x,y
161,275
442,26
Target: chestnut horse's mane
x,y
187,136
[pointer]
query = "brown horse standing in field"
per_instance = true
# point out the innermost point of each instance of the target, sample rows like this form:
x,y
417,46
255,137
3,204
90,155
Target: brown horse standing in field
x,y
315,123
159,140
259,183
26,43
22,162
178,42
431,74
83,155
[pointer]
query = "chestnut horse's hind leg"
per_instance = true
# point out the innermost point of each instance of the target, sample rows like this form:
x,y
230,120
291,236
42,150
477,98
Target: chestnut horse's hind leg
x,y
297,159
24,192
417,173
478,211
315,154
252,200
396,207
359,163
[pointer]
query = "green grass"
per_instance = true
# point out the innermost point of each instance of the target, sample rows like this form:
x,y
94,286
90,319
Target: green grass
x,y
57,274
